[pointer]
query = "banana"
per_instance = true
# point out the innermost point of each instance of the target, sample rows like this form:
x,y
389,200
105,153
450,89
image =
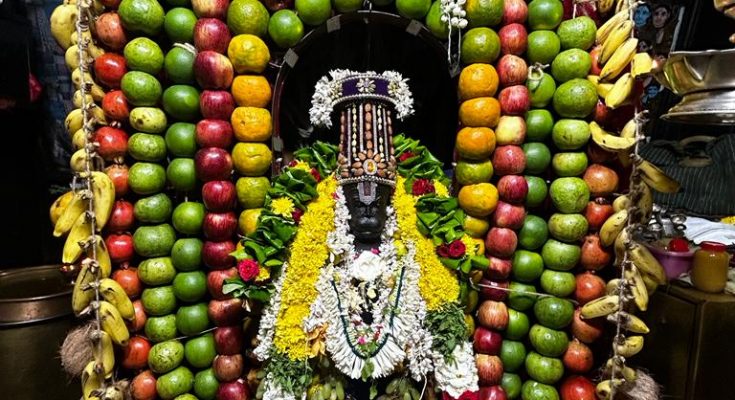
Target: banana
x,y
74,121
96,90
603,89
629,130
612,227
621,5
104,197
77,99
82,294
80,232
621,203
113,324
630,347
71,57
115,294
59,206
656,178
611,288
78,161
628,373
641,65
103,257
609,142
607,28
651,284
86,34
601,307
637,287
629,322
63,24
619,60
604,6
604,388
645,201
646,262
619,247
617,37
79,139
91,381
104,353
620,91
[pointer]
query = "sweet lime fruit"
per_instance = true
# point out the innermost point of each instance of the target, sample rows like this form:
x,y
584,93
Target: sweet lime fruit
x,y
575,98
469,172
527,266
344,6
543,46
545,14
286,28
475,227
181,174
143,54
569,163
193,319
141,88
480,45
206,384
533,233
569,228
248,53
577,33
434,23
313,12
539,124
146,178
141,16
153,209
181,139
538,157
181,102
484,12
188,217
147,147
200,351
247,222
541,90
251,159
571,64
569,194
179,24
186,254
251,191
537,191
415,9
247,16
179,65
560,256
570,134
518,325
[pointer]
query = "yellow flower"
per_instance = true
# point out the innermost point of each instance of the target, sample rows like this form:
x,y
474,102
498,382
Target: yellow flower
x,y
470,244
308,254
263,274
282,206
302,165
440,189
438,284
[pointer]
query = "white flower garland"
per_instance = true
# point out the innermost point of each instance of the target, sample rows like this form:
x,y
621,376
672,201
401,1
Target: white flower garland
x,y
460,375
267,327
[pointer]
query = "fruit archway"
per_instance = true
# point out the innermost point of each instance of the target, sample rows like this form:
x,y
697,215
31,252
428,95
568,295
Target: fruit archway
x,y
368,40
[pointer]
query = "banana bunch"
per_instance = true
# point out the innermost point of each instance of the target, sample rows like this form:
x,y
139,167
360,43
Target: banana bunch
x,y
70,214
610,142
330,388
113,323
401,389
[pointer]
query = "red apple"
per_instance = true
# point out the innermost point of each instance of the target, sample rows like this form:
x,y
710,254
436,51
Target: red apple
x,y
109,30
578,358
594,256
216,255
510,130
577,388
489,369
586,330
486,341
597,212
227,367
513,189
501,242
118,173
228,340
214,133
109,69
509,160
512,70
589,287
493,315
121,217
513,39
120,247
514,100
211,34
113,143
213,164
219,196
215,280
210,8
235,390
595,55
492,393
488,291
219,226
514,11
115,106
225,312
216,104
499,267
213,70
508,216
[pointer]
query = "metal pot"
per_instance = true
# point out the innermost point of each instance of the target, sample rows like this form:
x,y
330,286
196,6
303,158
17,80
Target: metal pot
x,y
35,315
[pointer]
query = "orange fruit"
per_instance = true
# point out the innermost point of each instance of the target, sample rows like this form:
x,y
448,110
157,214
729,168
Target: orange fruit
x,y
481,111
475,227
478,200
478,80
248,53
248,221
475,143
251,91
251,124
251,159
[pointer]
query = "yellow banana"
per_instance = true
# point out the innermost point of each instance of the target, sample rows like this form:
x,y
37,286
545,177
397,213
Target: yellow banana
x,y
621,203
628,373
603,89
113,324
71,57
619,246
612,227
604,388
82,294
104,353
91,381
115,295
601,307
611,287
630,347
59,206
621,5
79,139
96,90
608,141
595,79
637,287
620,91
651,284
74,121
629,322
86,34
641,64
655,178
63,23
607,28
619,60
645,201
80,232
104,197
617,37
94,51
103,257
629,130
604,6
77,99
646,262
78,161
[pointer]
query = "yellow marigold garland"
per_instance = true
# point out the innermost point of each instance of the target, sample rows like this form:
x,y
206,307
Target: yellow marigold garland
x,y
309,253
438,284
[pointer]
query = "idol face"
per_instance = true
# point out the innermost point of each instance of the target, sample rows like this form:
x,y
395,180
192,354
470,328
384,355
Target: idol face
x,y
368,205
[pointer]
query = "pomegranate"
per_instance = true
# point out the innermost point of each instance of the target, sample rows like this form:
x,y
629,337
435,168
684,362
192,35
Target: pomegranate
x,y
115,106
597,212
577,388
120,247
589,287
601,180
118,173
110,31
128,278
121,217
594,257
143,386
109,69
586,330
578,358
113,143
135,353
138,322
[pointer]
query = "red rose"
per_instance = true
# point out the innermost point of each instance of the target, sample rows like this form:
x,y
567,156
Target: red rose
x,y
248,269
457,249
405,156
443,251
316,175
422,186
297,214
464,396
